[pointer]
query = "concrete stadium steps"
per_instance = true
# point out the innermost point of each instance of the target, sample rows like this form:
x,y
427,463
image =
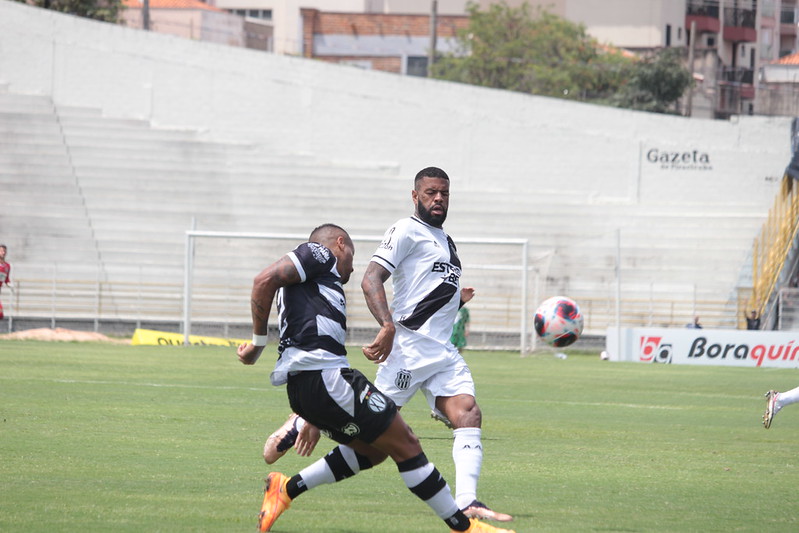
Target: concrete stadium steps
x,y
47,145
111,126
25,104
192,171
44,220
210,180
126,192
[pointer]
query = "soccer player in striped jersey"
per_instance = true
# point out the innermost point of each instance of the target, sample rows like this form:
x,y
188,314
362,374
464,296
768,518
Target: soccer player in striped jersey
x,y
413,345
325,391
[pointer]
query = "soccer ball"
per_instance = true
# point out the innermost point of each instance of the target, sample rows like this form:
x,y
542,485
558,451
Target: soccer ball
x,y
558,321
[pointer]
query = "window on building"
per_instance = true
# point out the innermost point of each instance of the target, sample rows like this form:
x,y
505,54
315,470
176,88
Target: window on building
x,y
416,66
262,14
668,34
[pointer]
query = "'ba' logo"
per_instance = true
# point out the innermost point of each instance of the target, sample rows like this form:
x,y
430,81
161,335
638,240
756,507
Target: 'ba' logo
x,y
403,379
654,350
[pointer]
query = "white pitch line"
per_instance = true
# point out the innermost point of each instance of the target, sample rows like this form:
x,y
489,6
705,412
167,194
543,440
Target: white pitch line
x,y
140,384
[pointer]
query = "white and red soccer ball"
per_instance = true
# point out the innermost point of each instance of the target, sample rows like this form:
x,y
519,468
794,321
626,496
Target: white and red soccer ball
x,y
558,321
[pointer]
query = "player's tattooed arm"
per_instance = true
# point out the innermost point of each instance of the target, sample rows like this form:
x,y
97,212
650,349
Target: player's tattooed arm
x,y
266,284
375,293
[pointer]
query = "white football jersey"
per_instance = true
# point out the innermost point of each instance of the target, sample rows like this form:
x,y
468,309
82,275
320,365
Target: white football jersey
x,y
426,272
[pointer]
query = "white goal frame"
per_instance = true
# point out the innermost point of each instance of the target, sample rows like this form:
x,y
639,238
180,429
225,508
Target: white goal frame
x,y
193,235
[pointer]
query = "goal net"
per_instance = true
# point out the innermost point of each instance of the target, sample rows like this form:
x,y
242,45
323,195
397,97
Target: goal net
x,y
220,267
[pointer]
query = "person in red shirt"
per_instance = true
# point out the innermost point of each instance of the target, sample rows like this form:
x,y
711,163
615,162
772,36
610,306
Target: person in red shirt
x,y
5,273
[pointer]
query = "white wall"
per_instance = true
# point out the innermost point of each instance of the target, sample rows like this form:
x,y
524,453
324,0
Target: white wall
x,y
780,74
631,23
623,23
485,138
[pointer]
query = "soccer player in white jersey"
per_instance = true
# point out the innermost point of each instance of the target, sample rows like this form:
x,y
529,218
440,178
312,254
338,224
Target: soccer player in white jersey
x,y
413,345
775,401
324,390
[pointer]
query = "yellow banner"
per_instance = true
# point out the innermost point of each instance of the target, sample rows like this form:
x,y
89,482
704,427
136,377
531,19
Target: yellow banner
x,y
163,338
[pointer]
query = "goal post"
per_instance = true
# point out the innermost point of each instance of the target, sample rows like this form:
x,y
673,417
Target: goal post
x,y
497,267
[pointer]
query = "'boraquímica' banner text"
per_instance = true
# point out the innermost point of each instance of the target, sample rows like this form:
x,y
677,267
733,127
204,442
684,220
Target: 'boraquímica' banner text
x,y
729,347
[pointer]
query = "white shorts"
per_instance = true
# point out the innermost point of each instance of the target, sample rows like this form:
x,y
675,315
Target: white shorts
x,y
418,362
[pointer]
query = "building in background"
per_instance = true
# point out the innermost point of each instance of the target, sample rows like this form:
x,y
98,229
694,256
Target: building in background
x,y
191,19
777,78
387,42
778,93
734,41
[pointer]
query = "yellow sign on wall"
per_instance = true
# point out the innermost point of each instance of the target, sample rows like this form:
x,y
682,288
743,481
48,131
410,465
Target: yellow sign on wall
x,y
163,338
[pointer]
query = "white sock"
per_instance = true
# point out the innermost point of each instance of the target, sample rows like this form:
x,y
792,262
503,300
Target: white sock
x,y
467,453
787,398
317,473
340,463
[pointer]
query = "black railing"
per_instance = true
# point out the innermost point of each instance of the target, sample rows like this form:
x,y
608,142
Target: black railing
x,y
702,8
737,75
739,18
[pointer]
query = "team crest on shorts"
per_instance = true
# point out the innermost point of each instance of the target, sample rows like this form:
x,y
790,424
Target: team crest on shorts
x,y
403,379
375,401
351,429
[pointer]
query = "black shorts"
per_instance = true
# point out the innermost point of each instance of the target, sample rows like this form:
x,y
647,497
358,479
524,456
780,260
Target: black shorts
x,y
342,402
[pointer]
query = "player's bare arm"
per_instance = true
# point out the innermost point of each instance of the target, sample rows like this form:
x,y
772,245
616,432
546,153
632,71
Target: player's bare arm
x,y
375,293
266,284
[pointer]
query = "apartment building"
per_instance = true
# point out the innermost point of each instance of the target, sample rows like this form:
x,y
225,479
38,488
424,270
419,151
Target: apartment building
x,y
777,75
734,40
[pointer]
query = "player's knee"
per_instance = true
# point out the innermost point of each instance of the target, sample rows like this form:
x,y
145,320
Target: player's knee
x,y
470,416
270,457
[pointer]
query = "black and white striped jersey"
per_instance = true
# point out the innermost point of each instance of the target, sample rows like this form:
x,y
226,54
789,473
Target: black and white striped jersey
x,y
312,315
426,274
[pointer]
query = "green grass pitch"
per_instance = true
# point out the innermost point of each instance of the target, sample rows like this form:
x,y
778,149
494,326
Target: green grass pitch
x,y
99,437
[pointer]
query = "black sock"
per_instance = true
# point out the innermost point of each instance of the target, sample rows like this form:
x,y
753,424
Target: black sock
x,y
295,486
458,521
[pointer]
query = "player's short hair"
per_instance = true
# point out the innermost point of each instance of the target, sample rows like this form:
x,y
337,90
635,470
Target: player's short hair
x,y
4,247
326,231
430,172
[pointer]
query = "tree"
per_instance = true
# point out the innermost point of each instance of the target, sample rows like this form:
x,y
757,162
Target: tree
x,y
538,53
104,10
655,83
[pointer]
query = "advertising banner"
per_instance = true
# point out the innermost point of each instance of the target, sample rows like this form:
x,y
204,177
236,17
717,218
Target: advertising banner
x,y
776,349
163,338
